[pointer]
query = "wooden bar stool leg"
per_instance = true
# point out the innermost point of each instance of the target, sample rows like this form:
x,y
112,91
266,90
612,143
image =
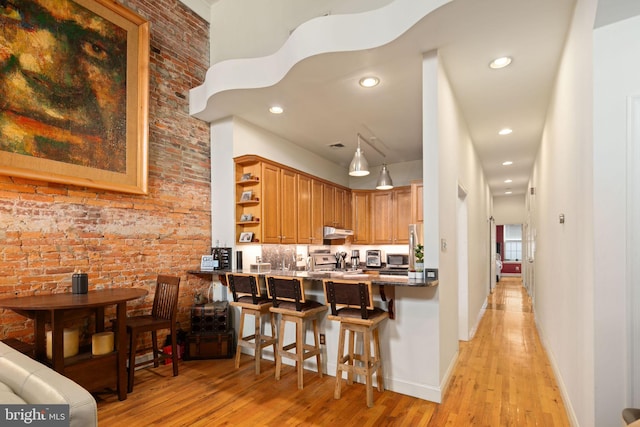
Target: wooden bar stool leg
x,y
280,349
240,338
257,341
316,340
174,355
341,359
300,352
274,335
352,357
366,356
379,372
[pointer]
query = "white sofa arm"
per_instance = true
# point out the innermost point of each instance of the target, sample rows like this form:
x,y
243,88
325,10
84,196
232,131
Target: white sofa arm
x,y
36,383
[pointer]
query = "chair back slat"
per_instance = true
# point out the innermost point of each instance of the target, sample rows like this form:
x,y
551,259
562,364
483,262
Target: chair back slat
x,y
351,294
165,301
286,289
244,285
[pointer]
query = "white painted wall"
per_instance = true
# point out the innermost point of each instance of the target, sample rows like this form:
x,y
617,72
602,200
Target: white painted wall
x,y
616,77
251,139
458,164
564,267
448,128
254,28
509,209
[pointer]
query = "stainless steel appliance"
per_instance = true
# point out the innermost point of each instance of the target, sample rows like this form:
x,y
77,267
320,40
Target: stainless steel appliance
x,y
322,261
355,259
332,233
400,261
374,258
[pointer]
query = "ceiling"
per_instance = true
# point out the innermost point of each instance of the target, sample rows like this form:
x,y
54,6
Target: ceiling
x,y
324,104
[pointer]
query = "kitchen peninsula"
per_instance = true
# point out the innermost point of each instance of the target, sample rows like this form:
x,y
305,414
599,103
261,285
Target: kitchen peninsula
x,y
386,283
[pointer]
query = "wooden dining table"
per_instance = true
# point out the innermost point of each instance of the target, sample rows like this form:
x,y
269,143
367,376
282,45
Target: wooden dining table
x,y
92,372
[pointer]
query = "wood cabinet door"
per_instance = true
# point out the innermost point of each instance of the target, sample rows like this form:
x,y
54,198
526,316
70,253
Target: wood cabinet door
x,y
417,202
288,207
382,217
340,207
401,214
329,197
304,209
361,218
317,211
271,218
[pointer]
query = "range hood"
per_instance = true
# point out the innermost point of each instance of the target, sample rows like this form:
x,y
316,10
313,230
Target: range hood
x,y
336,233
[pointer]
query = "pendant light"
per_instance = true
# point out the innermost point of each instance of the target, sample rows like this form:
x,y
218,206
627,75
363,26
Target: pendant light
x,y
384,180
359,165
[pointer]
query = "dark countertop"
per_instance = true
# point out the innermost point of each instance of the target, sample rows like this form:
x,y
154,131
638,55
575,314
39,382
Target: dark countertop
x,y
376,279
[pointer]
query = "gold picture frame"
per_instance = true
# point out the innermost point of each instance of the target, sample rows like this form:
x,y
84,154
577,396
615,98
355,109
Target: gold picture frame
x,y
87,124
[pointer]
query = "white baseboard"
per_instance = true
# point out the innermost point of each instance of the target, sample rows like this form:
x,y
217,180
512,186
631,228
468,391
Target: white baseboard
x,y
571,414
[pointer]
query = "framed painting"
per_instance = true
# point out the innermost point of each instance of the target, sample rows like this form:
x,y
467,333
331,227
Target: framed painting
x,y
74,87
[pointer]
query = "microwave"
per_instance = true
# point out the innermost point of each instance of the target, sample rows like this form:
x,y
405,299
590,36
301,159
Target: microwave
x,y
397,261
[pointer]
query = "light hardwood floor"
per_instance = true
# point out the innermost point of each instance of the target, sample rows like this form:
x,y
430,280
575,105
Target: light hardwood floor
x,y
502,378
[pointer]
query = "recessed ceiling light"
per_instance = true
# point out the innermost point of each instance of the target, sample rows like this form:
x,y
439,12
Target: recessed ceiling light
x,y
276,109
507,163
508,181
369,81
508,192
500,62
505,131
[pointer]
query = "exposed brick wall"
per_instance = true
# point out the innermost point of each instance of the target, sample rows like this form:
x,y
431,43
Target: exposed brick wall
x,y
49,230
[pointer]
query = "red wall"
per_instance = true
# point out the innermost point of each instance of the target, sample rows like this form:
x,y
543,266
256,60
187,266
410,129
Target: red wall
x,y
49,230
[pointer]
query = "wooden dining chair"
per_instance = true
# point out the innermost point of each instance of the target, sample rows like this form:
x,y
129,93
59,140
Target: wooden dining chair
x,y
163,316
248,296
351,304
290,303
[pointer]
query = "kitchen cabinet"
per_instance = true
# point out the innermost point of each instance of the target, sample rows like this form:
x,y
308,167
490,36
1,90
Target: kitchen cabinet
x,y
336,200
279,205
248,194
391,216
401,201
361,216
417,202
310,210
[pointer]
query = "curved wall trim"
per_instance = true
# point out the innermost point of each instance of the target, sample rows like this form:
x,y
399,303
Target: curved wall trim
x,y
326,34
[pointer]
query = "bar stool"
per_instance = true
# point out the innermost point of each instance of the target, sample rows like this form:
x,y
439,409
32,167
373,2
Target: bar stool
x,y
351,304
248,296
287,296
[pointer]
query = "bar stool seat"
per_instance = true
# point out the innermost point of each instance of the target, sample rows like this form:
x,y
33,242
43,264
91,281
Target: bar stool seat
x,y
248,296
351,304
287,296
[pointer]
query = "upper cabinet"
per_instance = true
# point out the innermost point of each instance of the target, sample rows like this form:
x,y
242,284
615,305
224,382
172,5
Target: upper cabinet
x,y
417,202
361,217
391,216
337,206
278,204
248,195
310,210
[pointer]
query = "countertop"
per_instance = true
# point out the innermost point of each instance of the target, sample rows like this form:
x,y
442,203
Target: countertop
x,y
376,279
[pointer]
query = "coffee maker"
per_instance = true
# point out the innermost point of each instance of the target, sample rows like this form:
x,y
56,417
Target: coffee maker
x,y
355,259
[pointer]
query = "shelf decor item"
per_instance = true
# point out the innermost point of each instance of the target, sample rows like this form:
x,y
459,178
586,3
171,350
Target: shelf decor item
x,y
246,217
419,253
246,177
246,237
246,196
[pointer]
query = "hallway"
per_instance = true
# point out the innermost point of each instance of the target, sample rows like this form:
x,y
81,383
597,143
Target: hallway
x,y
503,376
